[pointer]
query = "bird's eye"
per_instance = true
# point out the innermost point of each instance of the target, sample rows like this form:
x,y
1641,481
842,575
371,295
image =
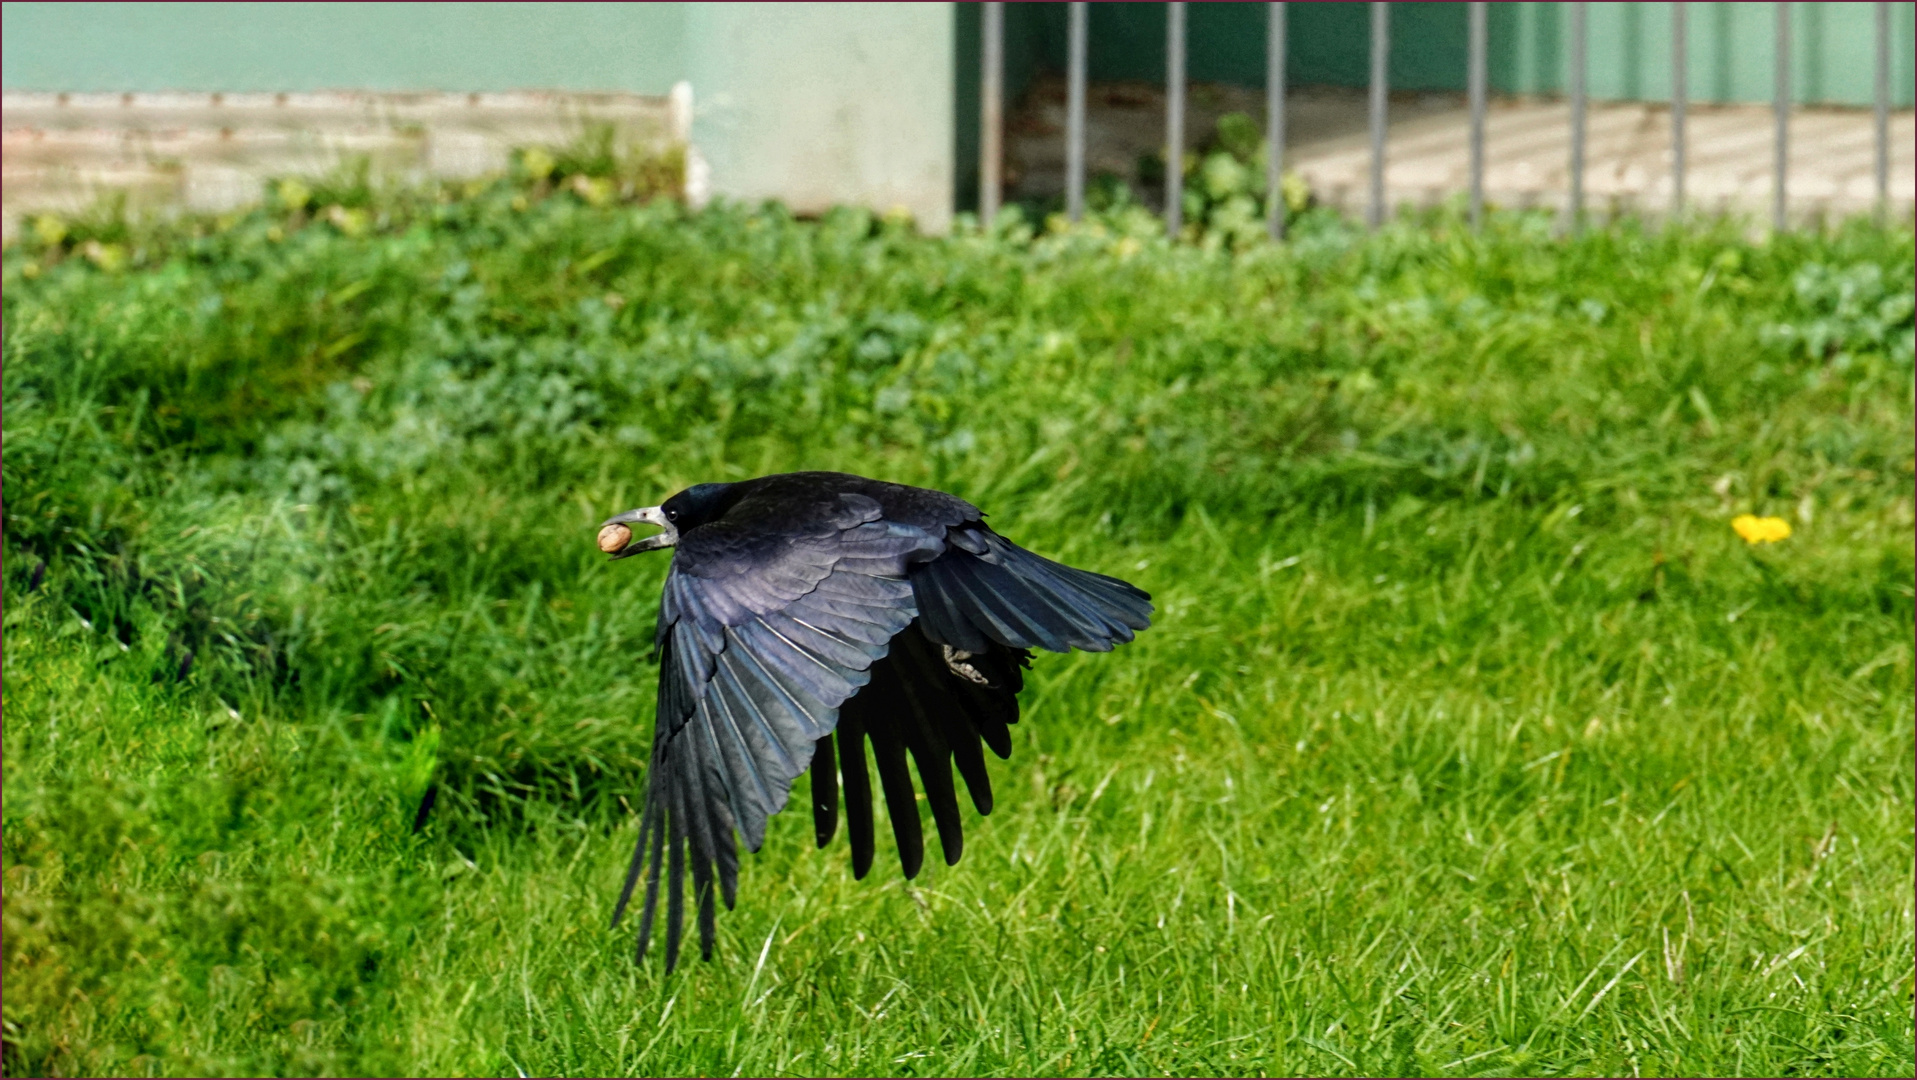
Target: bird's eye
x,y
672,515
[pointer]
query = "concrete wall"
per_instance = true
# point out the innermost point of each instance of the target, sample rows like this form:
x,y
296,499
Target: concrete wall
x,y
811,103
818,104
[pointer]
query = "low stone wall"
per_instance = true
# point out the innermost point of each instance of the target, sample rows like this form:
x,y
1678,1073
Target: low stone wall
x,y
60,153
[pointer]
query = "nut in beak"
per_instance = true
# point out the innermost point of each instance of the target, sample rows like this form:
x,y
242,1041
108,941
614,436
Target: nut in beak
x,y
615,533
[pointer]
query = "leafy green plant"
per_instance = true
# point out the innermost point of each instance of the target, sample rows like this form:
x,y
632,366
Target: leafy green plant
x,y
1225,201
599,168
1845,312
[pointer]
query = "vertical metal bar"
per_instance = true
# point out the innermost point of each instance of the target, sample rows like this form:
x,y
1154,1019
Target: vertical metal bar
x,y
1779,192
991,114
1575,211
1883,111
1075,113
1174,119
1380,58
1680,100
1478,76
1275,208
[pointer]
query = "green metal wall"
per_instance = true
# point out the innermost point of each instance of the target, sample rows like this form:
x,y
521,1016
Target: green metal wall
x,y
642,47
1732,51
1731,47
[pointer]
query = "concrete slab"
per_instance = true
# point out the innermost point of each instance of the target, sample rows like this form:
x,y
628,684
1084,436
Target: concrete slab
x,y
1527,150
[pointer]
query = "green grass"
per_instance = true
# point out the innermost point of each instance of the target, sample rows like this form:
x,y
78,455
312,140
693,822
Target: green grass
x,y
1470,739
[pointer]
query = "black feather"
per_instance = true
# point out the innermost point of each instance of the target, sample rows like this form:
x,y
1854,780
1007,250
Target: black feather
x,y
901,803
858,794
971,766
648,824
929,706
825,791
658,834
676,871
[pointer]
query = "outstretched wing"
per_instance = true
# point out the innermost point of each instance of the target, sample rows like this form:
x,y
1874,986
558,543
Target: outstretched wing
x,y
949,685
942,706
763,634
776,615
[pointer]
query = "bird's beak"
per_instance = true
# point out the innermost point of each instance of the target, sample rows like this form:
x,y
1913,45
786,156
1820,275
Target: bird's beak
x,y
649,515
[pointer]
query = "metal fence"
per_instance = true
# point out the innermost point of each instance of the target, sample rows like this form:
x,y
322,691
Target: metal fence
x,y
991,169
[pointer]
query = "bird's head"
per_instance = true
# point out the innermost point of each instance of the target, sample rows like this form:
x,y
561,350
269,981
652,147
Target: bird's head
x,y
689,509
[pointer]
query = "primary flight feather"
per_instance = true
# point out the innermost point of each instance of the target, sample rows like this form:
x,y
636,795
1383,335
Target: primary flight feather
x,y
806,614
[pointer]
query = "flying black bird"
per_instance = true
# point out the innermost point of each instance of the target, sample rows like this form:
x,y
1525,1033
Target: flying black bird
x,y
811,605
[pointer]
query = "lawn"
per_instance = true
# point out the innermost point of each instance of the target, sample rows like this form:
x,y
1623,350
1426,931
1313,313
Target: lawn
x,y
1470,737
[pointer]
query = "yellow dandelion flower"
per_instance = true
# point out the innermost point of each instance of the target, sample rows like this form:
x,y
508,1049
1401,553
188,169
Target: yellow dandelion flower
x,y
1761,530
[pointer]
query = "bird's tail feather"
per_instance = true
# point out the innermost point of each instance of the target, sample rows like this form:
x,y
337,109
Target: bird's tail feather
x,y
986,589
